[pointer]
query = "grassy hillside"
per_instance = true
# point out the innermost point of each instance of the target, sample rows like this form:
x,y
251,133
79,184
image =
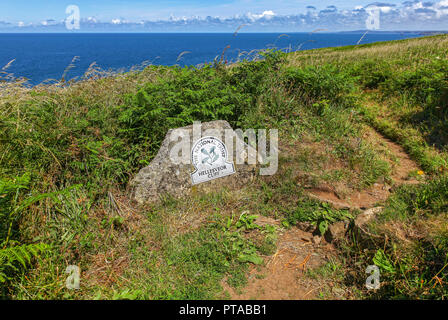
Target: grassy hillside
x,y
67,152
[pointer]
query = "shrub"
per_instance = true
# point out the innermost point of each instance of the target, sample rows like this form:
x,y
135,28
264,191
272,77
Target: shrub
x,y
13,254
372,72
321,83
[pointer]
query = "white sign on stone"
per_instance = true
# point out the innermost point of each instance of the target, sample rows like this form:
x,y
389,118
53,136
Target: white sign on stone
x,y
209,157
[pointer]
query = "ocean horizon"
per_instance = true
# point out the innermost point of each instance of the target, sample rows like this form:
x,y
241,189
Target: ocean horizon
x,y
41,57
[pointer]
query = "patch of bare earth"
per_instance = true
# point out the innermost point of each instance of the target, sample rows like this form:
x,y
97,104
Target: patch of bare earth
x,y
282,277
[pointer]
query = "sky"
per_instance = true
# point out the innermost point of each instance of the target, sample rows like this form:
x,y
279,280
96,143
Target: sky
x,y
191,15
137,10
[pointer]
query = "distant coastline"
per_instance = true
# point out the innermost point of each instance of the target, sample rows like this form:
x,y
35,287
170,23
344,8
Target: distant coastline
x,y
426,33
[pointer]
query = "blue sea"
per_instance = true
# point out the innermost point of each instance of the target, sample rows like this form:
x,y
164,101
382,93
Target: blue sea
x,y
40,57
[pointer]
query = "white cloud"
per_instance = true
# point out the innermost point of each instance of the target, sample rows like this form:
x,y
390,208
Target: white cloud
x,y
266,14
118,21
385,9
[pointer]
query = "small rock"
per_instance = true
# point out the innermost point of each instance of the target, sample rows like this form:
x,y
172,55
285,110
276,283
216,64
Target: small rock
x,y
365,238
367,216
336,231
317,240
338,291
305,226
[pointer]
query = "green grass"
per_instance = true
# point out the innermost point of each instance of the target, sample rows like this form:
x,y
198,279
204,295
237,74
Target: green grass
x,y
67,153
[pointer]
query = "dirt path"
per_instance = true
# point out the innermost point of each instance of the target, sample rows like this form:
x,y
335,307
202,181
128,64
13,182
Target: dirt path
x,y
282,276
402,167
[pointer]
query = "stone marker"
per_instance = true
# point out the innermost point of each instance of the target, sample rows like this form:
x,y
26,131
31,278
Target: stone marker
x,y
210,162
